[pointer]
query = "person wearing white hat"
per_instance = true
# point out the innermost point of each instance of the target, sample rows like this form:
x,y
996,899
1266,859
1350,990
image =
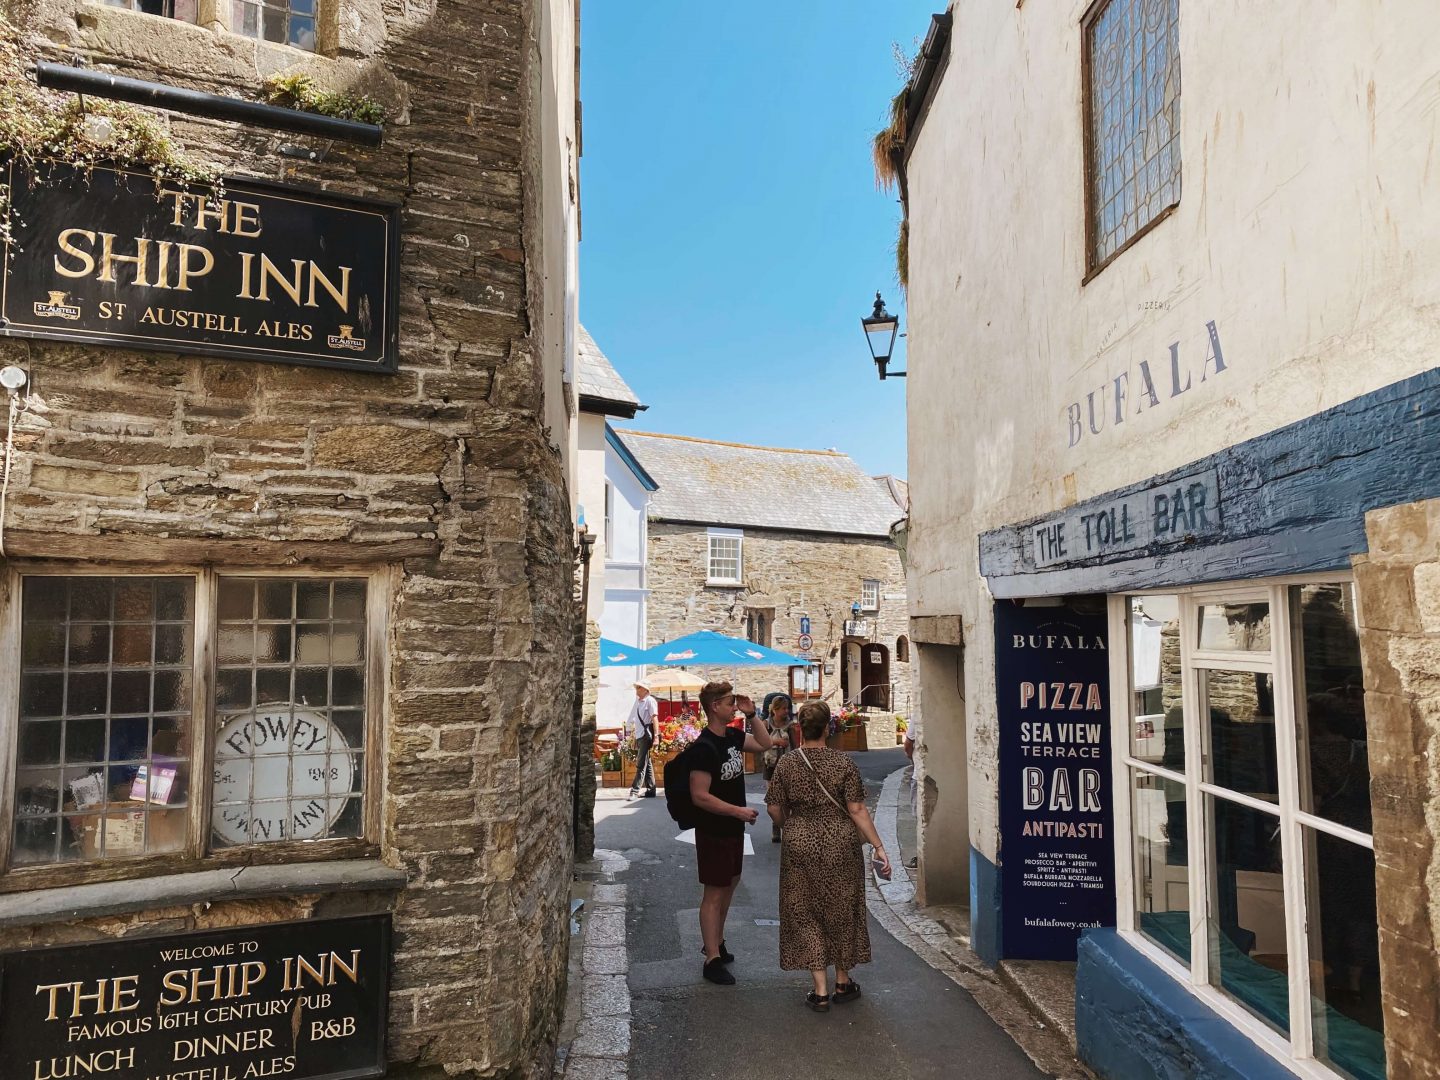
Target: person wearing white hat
x,y
640,726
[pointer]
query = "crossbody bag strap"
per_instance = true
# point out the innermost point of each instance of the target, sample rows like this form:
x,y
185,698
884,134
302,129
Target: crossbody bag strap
x,y
820,785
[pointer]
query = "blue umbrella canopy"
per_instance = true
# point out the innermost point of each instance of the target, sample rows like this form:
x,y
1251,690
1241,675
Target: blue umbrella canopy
x,y
615,654
705,648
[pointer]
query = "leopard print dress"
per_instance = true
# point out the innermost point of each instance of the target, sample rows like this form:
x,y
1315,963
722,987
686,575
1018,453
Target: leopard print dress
x,y
822,865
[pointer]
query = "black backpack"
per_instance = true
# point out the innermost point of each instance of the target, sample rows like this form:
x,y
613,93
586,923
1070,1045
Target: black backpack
x,y
677,786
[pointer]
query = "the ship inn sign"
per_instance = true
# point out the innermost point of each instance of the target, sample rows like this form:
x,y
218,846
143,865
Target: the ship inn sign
x,y
259,272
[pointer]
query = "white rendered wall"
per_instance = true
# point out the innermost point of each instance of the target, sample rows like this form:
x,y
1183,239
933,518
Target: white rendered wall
x,y
1305,233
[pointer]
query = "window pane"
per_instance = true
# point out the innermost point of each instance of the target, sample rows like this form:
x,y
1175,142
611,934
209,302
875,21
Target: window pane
x,y
1134,92
1344,956
104,766
1249,956
1241,731
289,767
1330,715
1162,876
1157,700
1235,627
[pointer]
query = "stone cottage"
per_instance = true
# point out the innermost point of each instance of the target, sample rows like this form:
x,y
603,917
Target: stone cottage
x,y
788,548
285,668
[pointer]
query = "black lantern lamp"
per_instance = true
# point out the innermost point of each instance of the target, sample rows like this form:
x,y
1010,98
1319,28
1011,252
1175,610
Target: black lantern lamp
x,y
881,329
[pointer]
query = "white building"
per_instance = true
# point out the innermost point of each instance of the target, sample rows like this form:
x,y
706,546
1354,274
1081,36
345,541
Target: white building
x,y
1170,356
615,493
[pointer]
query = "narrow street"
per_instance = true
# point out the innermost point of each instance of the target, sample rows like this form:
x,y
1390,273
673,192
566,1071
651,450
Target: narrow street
x,y
911,1022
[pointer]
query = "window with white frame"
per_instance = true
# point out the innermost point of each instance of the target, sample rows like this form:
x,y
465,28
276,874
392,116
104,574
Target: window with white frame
x,y
186,713
869,595
1247,861
724,564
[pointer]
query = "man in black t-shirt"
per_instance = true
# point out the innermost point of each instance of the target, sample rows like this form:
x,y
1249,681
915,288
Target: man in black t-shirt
x,y
717,788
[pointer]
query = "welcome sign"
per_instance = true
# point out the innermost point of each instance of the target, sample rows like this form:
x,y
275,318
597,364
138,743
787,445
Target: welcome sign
x,y
301,1001
1057,855
258,271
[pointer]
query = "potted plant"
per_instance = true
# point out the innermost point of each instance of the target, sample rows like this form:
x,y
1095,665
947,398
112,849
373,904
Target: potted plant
x,y
671,737
612,772
901,727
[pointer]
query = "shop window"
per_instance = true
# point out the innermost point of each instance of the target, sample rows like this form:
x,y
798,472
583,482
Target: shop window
x,y
287,22
115,686
724,565
869,595
1132,109
184,10
1249,805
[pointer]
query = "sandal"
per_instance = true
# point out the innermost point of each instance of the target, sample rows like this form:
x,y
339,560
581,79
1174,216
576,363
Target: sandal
x,y
818,1002
845,992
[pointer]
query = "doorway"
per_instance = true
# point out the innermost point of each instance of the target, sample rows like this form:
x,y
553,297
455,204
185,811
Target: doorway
x,y
875,677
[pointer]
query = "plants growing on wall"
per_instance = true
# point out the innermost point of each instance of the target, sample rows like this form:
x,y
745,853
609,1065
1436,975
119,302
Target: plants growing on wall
x,y
888,157
298,91
38,125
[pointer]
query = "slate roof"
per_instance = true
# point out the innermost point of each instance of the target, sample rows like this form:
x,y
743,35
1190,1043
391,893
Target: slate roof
x,y
597,380
736,486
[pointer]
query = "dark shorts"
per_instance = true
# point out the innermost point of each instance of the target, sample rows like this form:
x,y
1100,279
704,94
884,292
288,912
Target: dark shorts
x,y
719,858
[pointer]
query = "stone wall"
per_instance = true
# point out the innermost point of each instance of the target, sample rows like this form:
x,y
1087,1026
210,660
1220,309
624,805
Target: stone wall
x,y
445,464
792,574
1398,591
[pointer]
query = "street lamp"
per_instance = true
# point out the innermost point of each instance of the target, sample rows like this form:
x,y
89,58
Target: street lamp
x,y
880,330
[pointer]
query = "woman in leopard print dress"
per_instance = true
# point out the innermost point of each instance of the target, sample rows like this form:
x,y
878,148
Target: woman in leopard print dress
x,y
818,797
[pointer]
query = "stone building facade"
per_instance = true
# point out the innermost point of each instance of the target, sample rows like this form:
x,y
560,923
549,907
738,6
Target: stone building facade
x,y
1169,471
842,573
386,559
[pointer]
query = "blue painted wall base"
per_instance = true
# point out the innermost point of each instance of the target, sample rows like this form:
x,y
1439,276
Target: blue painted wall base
x,y
1133,1021
984,909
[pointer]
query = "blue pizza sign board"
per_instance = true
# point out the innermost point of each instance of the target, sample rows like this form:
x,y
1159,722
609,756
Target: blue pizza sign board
x,y
1057,857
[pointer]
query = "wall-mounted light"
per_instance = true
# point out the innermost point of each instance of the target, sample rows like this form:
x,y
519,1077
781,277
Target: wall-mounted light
x,y
881,329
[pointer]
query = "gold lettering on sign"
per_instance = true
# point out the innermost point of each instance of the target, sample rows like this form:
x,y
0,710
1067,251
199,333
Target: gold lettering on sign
x,y
87,261
123,997
236,218
297,970
74,1065
293,286
108,259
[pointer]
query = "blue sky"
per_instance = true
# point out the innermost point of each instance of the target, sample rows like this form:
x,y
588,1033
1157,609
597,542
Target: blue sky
x,y
733,236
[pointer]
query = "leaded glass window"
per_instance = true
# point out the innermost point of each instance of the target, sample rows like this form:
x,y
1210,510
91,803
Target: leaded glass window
x,y
288,22
1133,113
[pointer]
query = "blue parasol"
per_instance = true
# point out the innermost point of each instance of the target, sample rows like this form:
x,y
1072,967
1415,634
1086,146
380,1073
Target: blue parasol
x,y
615,654
705,648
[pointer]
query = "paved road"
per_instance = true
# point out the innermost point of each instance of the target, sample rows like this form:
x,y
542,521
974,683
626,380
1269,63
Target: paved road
x,y
911,1022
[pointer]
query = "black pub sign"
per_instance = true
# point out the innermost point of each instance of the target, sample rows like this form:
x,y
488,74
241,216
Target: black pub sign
x,y
293,1000
256,271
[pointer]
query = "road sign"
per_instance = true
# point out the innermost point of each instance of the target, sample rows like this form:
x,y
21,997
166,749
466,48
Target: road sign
x,y
805,625
806,642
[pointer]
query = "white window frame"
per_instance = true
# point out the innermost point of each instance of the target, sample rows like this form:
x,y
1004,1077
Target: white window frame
x,y
869,594
711,535
1296,1051
199,852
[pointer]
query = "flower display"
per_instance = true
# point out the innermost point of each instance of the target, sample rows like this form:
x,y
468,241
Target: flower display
x,y
671,735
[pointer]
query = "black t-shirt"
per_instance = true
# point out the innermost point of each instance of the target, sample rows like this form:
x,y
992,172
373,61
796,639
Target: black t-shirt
x,y
724,759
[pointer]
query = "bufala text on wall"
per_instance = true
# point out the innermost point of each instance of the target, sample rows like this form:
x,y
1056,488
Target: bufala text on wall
x,y
258,271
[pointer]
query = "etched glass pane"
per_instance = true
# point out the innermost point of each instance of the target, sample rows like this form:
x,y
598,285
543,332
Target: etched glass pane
x,y
100,765
1134,95
287,764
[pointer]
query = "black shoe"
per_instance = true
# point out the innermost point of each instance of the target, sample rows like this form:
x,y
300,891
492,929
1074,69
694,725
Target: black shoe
x,y
845,992
818,1002
726,956
714,970
650,794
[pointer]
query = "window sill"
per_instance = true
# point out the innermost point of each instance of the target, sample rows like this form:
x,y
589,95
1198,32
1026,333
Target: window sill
x,y
206,886
717,583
